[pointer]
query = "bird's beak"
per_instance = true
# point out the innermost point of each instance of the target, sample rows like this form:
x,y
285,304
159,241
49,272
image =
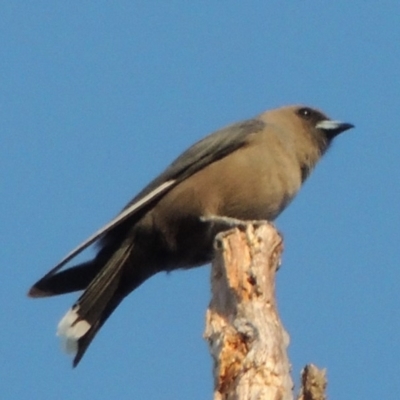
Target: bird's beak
x,y
333,128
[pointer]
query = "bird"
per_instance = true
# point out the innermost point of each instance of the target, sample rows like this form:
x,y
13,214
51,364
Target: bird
x,y
250,170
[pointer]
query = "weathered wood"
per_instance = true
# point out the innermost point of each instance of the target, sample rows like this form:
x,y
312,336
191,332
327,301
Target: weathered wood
x,y
245,335
313,383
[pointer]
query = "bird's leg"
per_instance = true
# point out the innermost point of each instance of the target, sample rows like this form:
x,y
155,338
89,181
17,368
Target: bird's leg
x,y
219,223
224,222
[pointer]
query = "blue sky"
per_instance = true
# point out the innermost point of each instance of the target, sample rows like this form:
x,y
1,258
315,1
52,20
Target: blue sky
x,y
97,98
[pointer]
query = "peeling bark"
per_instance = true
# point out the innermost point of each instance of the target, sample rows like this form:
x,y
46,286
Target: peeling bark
x,y
245,335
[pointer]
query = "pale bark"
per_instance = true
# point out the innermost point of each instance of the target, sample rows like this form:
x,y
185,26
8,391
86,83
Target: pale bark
x,y
245,335
313,383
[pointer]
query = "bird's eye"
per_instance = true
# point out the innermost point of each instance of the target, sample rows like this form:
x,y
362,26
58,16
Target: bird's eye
x,y
305,112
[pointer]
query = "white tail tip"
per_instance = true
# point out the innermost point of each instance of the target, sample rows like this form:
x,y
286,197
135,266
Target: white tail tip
x,y
71,330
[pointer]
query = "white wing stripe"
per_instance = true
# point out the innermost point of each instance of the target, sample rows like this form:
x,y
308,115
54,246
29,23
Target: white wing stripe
x,y
119,218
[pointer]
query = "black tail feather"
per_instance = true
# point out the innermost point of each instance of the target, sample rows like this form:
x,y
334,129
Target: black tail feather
x,y
71,280
84,341
81,323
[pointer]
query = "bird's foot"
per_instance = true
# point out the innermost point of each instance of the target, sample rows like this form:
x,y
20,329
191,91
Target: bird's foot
x,y
218,224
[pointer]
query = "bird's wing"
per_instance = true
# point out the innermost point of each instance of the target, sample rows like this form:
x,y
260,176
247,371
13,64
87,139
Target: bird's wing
x,y
208,150
212,148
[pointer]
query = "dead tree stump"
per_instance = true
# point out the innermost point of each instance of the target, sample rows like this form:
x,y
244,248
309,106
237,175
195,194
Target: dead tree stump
x,y
245,335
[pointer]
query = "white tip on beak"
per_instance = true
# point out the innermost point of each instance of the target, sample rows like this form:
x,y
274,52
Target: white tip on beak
x,y
334,126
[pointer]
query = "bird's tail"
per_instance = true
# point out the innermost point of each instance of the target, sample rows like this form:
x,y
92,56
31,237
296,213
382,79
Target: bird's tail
x,y
80,324
70,280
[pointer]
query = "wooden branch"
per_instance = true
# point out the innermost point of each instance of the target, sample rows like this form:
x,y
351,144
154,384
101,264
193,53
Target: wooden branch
x,y
245,335
313,383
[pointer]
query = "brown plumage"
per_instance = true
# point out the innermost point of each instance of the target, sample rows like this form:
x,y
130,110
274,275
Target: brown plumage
x,y
250,170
